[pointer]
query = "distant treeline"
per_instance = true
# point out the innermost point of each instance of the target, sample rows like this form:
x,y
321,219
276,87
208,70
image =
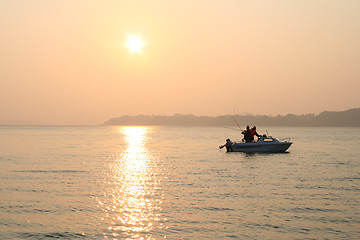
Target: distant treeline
x,y
349,118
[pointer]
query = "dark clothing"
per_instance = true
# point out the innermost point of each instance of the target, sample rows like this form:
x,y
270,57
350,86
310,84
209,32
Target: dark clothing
x,y
228,145
253,133
247,136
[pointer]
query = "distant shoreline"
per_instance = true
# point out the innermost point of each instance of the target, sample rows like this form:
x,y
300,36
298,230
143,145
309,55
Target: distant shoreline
x,y
348,118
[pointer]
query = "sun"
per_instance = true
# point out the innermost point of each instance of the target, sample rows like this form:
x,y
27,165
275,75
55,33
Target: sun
x,y
135,43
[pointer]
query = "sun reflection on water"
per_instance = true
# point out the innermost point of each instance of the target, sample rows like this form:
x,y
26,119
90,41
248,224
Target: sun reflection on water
x,y
133,202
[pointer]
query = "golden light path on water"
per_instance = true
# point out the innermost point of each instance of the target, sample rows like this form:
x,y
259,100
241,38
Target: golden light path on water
x,y
133,201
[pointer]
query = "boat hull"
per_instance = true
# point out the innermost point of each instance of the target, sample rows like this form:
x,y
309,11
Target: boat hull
x,y
277,147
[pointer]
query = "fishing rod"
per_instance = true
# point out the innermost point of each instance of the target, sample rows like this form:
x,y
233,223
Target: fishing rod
x,y
232,128
236,123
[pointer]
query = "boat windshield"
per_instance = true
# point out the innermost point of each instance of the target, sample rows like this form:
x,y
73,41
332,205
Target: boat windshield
x,y
268,140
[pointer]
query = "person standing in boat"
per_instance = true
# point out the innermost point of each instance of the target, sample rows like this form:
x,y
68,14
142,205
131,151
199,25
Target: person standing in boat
x,y
253,133
247,135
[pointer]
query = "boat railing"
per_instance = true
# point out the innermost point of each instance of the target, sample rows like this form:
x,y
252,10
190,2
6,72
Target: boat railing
x,y
287,139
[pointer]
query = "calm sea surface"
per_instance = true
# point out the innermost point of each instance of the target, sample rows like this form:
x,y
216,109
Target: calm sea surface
x,y
175,183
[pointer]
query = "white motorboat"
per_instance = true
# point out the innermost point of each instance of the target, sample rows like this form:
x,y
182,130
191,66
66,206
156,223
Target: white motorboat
x,y
265,144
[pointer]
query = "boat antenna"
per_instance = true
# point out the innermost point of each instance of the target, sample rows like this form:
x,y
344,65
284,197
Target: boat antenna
x,y
236,123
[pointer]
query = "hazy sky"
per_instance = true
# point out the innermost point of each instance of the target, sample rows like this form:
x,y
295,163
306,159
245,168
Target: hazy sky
x,y
65,62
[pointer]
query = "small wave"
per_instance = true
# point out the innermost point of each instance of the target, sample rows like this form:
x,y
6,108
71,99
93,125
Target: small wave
x,y
308,209
50,171
41,210
59,235
219,209
349,178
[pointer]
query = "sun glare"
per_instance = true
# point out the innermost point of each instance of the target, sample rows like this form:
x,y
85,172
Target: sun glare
x,y
134,43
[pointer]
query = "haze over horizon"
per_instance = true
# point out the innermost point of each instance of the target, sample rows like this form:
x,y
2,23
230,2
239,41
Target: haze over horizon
x,y
84,62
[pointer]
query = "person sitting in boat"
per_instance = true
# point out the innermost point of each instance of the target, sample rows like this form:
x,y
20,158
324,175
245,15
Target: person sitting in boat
x,y
253,133
228,145
247,135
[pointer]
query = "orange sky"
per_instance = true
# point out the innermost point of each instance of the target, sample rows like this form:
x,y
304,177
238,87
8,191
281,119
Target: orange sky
x,y
64,62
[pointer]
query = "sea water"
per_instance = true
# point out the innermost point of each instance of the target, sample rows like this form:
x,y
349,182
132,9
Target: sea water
x,y
175,183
